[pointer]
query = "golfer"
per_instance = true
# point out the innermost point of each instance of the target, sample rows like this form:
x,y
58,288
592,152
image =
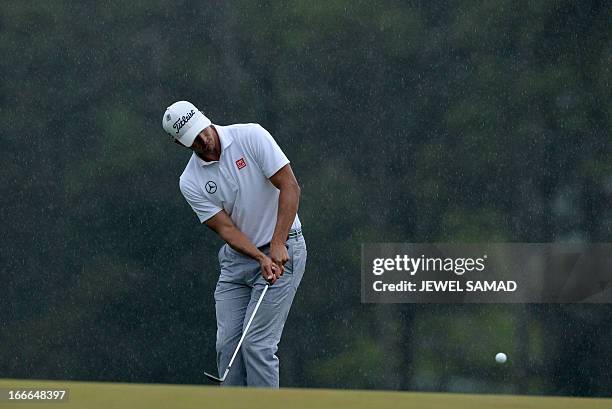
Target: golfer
x,y
240,184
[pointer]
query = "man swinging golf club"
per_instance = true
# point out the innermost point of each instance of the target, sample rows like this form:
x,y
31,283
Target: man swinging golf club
x,y
240,184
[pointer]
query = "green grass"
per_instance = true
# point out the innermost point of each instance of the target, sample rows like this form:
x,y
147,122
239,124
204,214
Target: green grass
x,y
88,395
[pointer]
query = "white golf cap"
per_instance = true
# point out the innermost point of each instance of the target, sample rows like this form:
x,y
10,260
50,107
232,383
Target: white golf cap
x,y
183,121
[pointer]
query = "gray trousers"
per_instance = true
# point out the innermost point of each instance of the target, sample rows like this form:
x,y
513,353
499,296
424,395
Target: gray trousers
x,y
238,289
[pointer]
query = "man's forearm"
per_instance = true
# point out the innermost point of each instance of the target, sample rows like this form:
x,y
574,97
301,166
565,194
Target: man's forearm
x,y
288,202
241,243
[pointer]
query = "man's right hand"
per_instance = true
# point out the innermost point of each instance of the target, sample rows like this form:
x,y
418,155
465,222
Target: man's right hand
x,y
223,225
270,271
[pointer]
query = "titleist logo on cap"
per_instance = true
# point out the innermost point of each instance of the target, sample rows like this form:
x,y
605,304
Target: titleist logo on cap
x,y
183,120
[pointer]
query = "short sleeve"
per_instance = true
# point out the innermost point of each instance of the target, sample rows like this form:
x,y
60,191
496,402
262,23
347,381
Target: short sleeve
x,y
266,151
202,207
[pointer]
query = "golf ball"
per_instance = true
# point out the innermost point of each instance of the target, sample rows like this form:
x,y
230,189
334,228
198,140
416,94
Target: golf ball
x,y
500,357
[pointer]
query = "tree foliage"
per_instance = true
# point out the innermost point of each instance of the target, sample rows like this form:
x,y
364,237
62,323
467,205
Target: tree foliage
x,y
404,121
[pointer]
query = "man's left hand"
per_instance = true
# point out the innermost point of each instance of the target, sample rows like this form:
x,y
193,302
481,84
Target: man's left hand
x,y
279,255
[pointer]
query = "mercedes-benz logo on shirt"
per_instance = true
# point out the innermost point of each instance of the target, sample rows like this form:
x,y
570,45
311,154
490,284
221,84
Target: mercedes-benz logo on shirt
x,y
211,187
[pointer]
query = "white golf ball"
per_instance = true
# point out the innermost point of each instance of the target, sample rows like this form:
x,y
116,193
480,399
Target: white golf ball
x,y
500,358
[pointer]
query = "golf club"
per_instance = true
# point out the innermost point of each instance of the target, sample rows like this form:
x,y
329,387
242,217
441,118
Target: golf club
x,y
246,329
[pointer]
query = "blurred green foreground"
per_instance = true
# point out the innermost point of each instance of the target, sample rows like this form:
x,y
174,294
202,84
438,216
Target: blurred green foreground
x,y
133,396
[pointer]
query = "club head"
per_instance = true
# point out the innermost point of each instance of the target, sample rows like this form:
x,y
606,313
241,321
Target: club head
x,y
213,378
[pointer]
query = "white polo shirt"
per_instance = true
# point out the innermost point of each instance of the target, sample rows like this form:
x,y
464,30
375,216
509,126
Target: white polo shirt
x,y
239,181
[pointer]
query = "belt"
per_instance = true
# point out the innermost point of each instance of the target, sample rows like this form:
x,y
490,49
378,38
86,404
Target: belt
x,y
294,233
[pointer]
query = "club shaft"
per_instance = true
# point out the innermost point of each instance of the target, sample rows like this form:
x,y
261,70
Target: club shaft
x,y
246,329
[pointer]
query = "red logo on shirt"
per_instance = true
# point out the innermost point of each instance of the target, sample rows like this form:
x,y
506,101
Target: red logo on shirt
x,y
241,163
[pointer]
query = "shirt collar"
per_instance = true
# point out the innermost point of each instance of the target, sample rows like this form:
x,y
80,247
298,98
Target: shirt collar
x,y
226,140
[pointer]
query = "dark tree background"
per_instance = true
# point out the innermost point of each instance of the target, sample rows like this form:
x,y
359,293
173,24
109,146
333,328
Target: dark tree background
x,y
406,121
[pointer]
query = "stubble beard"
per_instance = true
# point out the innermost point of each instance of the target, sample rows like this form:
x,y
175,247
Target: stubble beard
x,y
205,146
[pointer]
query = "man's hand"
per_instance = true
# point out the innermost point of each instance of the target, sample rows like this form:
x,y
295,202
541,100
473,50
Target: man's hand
x,y
279,255
269,270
